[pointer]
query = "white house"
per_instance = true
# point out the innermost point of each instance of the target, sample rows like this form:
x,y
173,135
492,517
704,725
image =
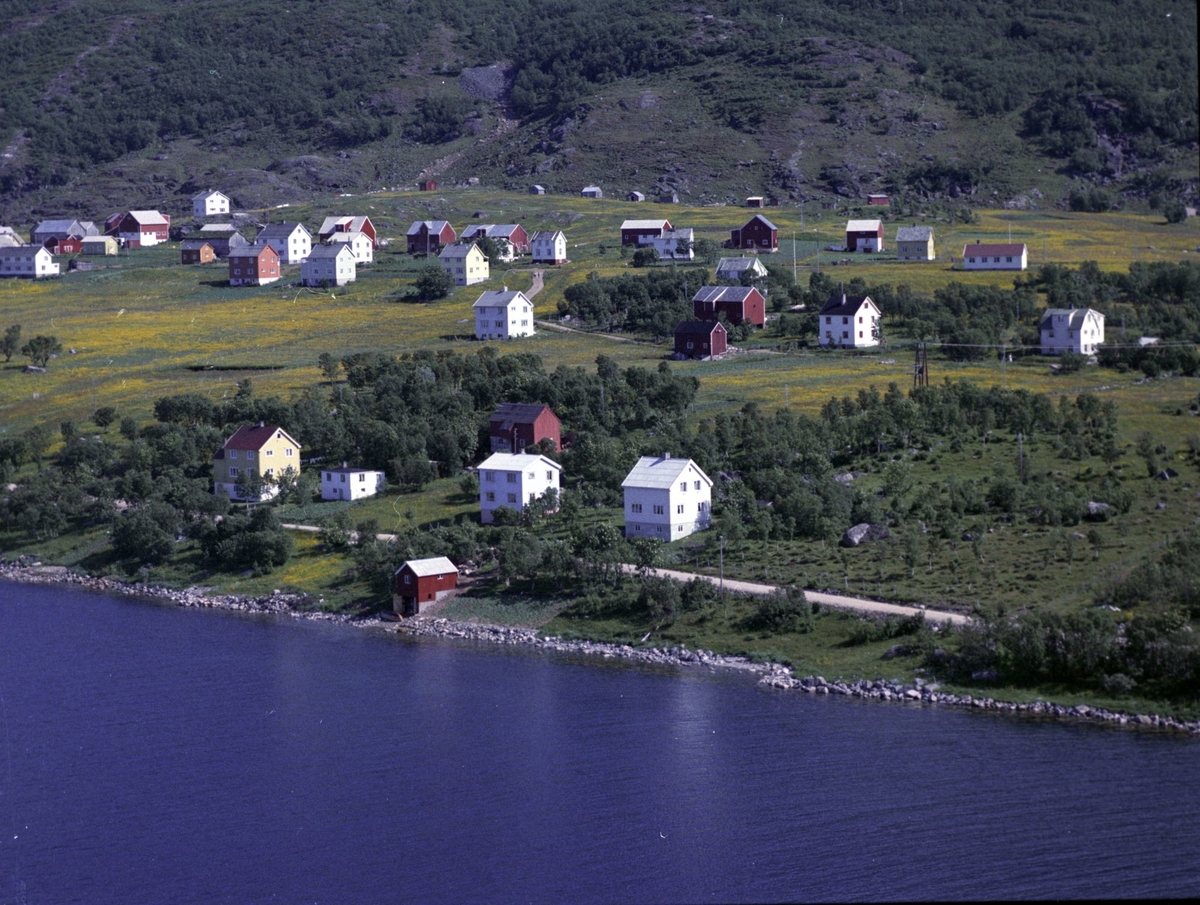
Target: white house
x,y
549,247
849,322
732,269
1079,330
350,483
466,263
27,261
362,245
330,265
503,314
292,241
1003,256
592,191
210,204
514,480
914,243
666,498
672,245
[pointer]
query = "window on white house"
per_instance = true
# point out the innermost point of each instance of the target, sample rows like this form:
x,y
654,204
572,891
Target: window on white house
x,y
683,486
512,497
635,507
491,497
658,509
511,478
489,476
679,509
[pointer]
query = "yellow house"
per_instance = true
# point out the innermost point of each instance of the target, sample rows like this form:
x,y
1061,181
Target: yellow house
x,y
258,454
466,263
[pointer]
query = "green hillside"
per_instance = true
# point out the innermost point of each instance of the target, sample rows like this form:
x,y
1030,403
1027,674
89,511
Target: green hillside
x,y
139,104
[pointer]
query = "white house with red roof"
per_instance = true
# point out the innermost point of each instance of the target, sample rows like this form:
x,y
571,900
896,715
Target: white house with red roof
x,y
995,256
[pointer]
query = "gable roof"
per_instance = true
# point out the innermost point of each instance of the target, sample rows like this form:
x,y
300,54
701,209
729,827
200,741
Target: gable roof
x,y
21,252
433,226
1002,248
1075,316
661,472
767,223
278,231
646,224
193,244
548,235
58,226
723,293
255,436
863,226
332,251
505,230
846,305
518,413
914,234
423,568
348,236
458,250
251,251
149,218
703,328
477,230
500,298
214,228
515,462
211,193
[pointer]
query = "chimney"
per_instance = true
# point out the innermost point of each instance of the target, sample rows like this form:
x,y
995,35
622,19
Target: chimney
x,y
666,455
262,424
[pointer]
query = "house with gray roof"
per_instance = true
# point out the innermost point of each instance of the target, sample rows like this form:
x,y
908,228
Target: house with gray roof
x,y
914,243
666,498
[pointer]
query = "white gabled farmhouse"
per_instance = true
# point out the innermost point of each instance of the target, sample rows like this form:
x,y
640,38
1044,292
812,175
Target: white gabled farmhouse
x,y
549,247
360,244
503,314
848,322
292,241
331,265
27,261
514,480
997,256
1078,330
210,204
666,498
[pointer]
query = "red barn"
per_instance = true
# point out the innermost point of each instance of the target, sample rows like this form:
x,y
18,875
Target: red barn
x,y
139,229
879,200
514,427
700,339
633,231
421,582
740,304
864,235
759,232
428,186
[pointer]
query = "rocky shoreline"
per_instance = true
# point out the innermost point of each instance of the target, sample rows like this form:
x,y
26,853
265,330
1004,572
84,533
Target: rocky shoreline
x,y
773,675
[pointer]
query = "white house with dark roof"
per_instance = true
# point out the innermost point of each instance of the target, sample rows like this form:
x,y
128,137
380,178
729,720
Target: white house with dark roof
x,y
849,322
1078,330
514,480
914,243
666,498
995,256
210,204
732,269
33,261
503,314
329,265
346,483
510,238
361,245
548,247
672,245
292,241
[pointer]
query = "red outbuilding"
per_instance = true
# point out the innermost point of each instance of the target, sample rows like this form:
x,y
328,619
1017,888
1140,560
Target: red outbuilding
x,y
514,427
422,582
759,233
71,245
739,304
700,339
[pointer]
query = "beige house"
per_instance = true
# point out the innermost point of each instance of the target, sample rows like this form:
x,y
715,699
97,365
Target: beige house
x,y
466,263
914,243
255,457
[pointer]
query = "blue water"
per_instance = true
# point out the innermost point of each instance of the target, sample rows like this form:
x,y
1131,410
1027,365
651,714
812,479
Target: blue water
x,y
154,754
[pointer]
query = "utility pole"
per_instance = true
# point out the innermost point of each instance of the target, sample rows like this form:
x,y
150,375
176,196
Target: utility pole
x,y
721,560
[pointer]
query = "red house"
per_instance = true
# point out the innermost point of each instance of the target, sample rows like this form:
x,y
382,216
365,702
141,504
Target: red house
x,y
426,237
514,427
71,245
700,339
421,582
739,304
759,232
196,251
632,231
254,265
879,200
427,186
